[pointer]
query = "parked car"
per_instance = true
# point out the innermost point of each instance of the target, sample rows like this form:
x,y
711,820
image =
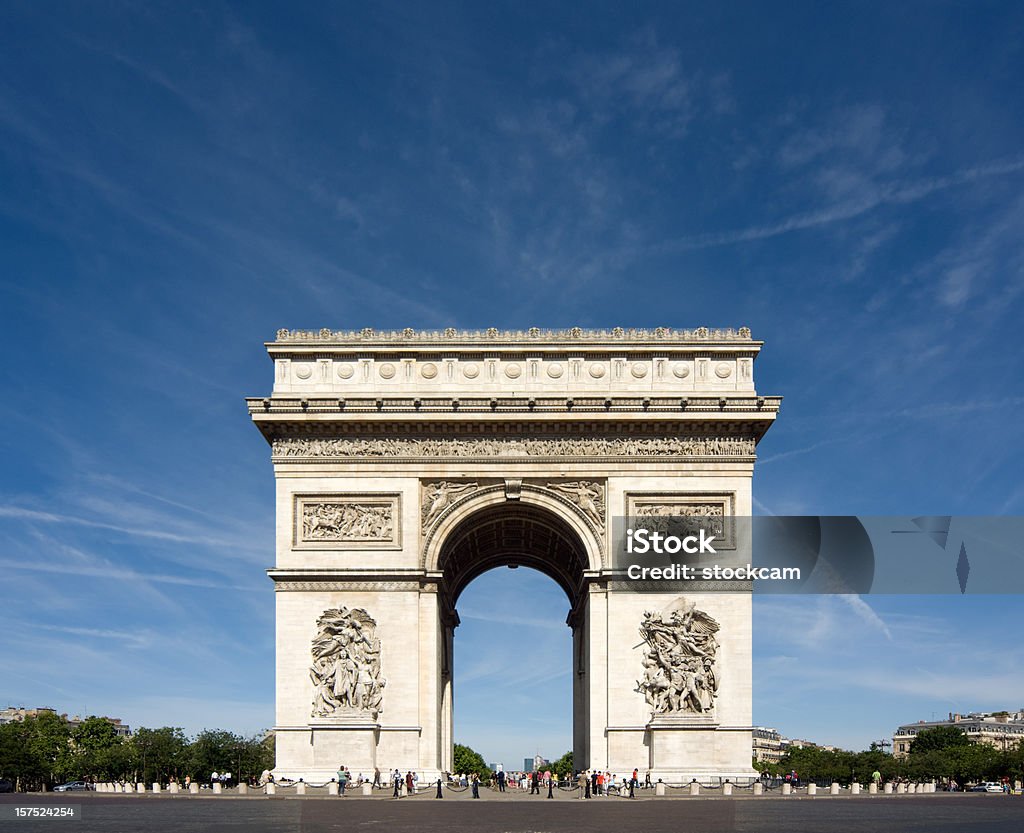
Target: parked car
x,y
71,786
987,787
6,786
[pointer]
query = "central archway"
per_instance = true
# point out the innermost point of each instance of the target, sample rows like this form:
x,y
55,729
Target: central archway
x,y
536,530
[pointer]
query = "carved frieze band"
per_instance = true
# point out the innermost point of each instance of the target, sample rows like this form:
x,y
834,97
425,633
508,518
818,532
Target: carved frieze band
x,y
353,586
513,447
349,521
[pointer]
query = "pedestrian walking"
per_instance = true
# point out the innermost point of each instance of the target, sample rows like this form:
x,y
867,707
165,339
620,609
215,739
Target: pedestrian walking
x,y
475,781
376,778
584,784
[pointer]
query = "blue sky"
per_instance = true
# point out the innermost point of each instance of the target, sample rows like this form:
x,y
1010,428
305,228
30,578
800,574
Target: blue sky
x,y
179,181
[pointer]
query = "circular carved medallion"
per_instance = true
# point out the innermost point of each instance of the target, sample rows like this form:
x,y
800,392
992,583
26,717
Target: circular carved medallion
x,y
429,370
303,371
680,370
555,370
471,371
639,369
513,371
723,370
597,370
345,371
387,371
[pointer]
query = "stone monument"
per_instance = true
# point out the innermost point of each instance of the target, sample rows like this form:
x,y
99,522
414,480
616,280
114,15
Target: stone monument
x,y
407,463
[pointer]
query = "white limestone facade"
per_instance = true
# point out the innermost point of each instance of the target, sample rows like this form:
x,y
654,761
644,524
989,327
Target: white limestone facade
x,y
407,463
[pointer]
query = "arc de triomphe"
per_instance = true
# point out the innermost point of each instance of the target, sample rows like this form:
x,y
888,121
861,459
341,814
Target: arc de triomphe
x,y
408,463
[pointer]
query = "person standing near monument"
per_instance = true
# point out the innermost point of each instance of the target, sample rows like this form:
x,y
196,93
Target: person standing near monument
x,y
396,778
409,786
342,780
475,783
376,778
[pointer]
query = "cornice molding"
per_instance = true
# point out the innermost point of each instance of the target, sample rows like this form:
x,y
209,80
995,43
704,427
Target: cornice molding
x,y
493,336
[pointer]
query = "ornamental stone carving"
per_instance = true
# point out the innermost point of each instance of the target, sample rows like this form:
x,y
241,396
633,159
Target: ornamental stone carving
x,y
348,521
438,496
588,497
492,333
346,665
662,446
679,676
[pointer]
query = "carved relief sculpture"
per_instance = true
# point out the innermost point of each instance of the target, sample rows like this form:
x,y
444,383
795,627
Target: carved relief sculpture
x,y
683,518
346,664
679,660
588,496
439,496
348,522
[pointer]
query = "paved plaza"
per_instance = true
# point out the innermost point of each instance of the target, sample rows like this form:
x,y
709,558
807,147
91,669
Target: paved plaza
x,y
977,813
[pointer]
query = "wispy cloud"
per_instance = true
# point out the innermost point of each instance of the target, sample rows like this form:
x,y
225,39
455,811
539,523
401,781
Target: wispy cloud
x,y
885,194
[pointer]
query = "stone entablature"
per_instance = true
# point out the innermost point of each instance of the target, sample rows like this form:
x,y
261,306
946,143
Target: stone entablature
x,y
575,361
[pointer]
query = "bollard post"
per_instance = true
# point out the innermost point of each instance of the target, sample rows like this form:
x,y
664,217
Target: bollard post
x,y
833,788
193,788
217,788
156,787
366,788
300,788
727,788
787,788
887,788
173,788
873,788
758,788
271,788
812,788
902,789
332,788
659,788
140,787
694,788
854,788
125,788
243,788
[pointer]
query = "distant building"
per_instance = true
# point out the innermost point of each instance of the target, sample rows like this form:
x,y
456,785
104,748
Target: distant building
x,y
14,714
1003,729
767,744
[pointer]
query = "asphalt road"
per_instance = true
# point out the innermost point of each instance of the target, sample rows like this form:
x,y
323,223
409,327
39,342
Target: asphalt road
x,y
891,814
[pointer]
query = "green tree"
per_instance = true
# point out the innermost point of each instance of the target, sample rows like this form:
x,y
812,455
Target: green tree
x,y
212,750
17,761
563,766
466,760
157,754
49,744
93,743
938,738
